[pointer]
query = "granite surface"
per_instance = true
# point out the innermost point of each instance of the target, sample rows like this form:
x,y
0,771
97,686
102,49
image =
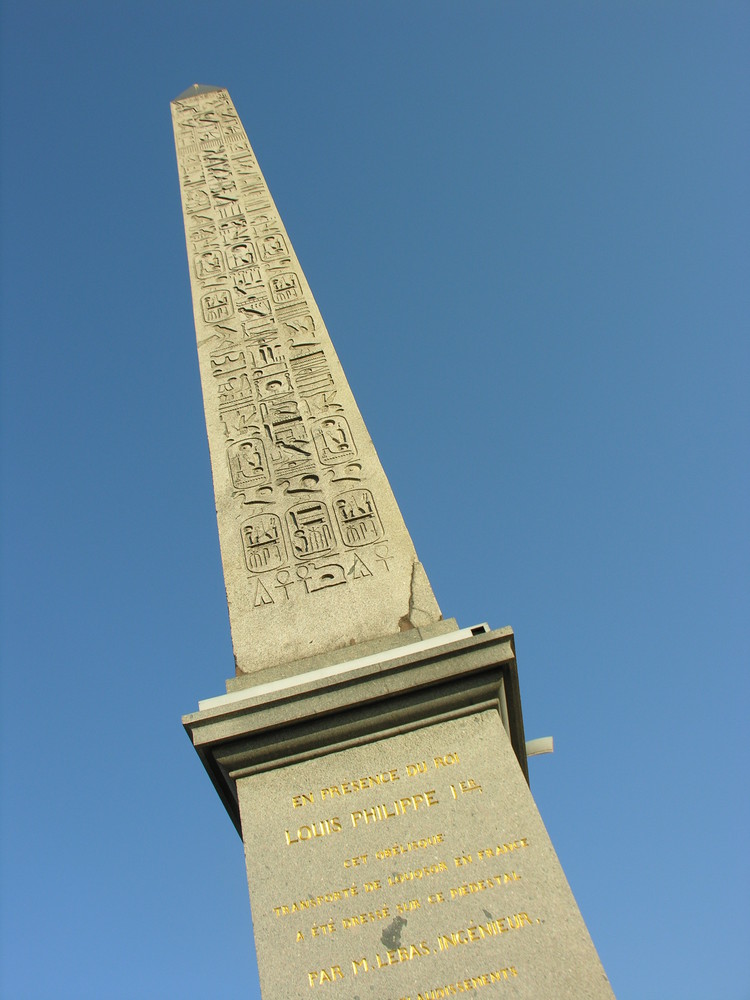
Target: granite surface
x,y
315,552
410,868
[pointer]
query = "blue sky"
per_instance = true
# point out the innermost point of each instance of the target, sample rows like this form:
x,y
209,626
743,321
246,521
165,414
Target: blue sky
x,y
526,225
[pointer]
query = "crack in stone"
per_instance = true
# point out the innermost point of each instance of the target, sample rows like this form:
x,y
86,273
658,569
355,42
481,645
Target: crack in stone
x,y
405,623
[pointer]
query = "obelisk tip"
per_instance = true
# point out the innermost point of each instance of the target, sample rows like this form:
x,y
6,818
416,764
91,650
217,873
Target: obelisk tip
x,y
197,88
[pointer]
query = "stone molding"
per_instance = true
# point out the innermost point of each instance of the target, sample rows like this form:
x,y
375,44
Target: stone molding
x,y
352,704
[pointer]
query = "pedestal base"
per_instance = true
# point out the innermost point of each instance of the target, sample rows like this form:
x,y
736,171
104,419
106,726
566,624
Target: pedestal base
x,y
393,847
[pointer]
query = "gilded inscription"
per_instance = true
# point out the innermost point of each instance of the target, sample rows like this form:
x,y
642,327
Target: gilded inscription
x,y
417,873
413,845
393,882
467,985
311,902
399,807
359,919
493,882
359,784
411,951
478,932
309,831
463,787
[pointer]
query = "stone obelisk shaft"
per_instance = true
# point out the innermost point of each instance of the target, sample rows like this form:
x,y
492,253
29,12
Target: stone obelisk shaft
x,y
315,552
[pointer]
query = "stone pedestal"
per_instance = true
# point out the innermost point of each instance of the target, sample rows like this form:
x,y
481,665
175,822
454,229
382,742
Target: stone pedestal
x,y
393,847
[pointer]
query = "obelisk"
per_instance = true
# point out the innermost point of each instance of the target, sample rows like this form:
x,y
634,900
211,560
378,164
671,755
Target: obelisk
x,y
315,551
370,754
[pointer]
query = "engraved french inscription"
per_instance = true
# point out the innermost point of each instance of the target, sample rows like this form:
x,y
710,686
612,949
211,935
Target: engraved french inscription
x,y
397,902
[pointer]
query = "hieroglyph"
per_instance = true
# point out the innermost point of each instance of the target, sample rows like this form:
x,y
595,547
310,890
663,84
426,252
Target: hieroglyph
x,y
315,552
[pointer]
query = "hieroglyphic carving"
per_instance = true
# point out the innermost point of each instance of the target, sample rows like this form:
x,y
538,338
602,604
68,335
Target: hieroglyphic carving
x,y
286,288
273,249
303,512
264,543
239,421
317,577
282,425
209,264
241,255
248,464
358,518
217,306
333,440
310,529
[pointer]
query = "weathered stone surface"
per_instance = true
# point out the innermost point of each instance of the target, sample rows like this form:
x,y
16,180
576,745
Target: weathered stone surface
x,y
315,552
404,868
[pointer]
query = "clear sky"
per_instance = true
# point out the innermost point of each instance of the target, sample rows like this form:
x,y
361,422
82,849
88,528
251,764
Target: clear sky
x,y
526,225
